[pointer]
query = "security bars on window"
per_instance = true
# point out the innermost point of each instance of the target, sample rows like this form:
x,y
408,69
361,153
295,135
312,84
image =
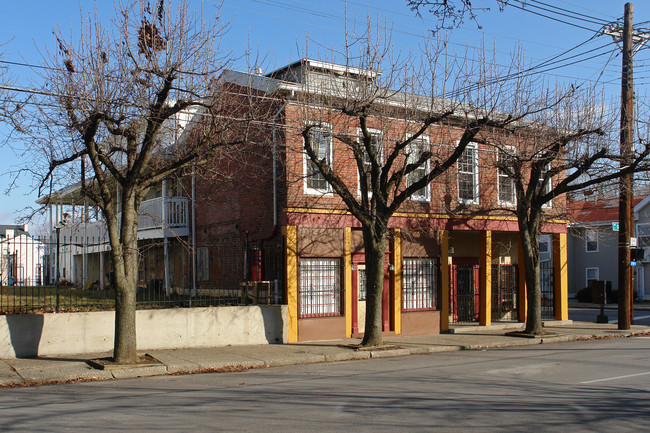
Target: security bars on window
x,y
320,287
419,284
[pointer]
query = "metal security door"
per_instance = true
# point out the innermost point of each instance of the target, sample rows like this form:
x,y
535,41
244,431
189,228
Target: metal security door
x,y
464,292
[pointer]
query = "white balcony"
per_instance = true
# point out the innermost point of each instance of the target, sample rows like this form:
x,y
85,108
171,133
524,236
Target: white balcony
x,y
151,224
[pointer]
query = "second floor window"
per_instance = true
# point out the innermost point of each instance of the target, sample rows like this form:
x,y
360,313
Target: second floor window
x,y
377,144
415,151
591,240
545,189
321,141
468,175
505,185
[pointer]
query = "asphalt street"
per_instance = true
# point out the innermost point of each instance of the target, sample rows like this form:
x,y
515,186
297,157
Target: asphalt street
x,y
581,386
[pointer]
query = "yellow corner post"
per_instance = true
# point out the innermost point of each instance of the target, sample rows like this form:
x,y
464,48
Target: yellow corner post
x,y
348,282
291,259
522,305
561,278
485,272
444,280
397,280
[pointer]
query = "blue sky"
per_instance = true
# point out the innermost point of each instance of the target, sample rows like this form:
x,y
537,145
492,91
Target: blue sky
x,y
278,29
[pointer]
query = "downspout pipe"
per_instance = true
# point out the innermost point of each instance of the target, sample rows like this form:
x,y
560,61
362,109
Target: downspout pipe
x,y
274,136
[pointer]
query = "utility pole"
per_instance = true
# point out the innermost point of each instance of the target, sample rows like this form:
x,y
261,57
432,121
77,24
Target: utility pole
x,y
625,214
625,195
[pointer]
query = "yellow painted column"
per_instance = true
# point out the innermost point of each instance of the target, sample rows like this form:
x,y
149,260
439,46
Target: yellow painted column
x,y
561,277
397,279
522,303
485,273
347,308
444,280
291,259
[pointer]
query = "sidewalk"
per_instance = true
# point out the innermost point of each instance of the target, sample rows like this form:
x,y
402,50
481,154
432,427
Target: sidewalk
x,y
37,371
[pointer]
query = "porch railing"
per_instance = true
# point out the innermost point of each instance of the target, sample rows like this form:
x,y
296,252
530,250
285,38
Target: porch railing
x,y
150,217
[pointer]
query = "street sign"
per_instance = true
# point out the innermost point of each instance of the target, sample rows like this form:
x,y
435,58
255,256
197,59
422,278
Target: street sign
x,y
633,242
615,226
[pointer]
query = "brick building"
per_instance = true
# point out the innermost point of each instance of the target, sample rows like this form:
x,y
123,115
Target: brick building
x,y
451,259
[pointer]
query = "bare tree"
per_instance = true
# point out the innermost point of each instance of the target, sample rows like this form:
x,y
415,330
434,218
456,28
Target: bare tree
x,y
117,118
396,113
452,13
571,146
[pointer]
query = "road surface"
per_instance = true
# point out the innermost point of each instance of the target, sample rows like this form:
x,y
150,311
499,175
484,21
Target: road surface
x,y
575,387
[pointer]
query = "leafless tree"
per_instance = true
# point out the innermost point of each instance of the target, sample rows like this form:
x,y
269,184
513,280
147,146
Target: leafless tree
x,y
452,13
567,147
128,104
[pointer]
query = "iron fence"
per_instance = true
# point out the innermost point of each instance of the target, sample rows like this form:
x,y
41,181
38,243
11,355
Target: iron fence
x,y
29,267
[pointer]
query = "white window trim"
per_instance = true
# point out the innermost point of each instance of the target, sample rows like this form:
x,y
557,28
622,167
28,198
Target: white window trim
x,y
587,275
476,200
510,149
306,160
549,187
374,132
427,189
595,232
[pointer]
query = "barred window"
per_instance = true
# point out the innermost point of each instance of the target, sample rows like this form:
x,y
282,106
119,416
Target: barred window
x,y
320,287
419,284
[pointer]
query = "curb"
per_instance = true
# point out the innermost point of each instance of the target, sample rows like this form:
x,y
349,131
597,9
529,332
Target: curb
x,y
80,372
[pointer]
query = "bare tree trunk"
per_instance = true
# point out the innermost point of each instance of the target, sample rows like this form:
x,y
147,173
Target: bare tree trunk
x,y
375,251
529,243
126,278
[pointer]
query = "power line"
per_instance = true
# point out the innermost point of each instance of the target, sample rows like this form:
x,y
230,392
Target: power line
x,y
565,12
549,17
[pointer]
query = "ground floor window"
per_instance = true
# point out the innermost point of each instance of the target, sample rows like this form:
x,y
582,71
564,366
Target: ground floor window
x,y
419,284
591,275
320,287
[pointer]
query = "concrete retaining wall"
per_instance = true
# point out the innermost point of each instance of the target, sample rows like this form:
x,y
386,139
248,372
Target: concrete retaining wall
x,y
25,335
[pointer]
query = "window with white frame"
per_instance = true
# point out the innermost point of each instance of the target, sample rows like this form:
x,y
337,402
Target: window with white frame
x,y
419,284
468,175
643,238
591,275
320,287
505,184
321,141
414,151
548,186
376,141
591,240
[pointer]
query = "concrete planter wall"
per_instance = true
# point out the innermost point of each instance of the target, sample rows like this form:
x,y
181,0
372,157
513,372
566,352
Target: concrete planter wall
x,y
48,334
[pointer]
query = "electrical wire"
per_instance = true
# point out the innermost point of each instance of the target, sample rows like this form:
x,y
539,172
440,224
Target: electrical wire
x,y
568,13
549,17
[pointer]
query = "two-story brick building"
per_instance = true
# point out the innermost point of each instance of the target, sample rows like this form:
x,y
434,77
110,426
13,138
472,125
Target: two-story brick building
x,y
449,261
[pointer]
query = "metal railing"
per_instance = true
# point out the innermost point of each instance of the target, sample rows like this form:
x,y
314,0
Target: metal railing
x,y
29,283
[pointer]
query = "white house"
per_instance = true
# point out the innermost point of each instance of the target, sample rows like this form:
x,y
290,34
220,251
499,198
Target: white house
x,y
21,257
